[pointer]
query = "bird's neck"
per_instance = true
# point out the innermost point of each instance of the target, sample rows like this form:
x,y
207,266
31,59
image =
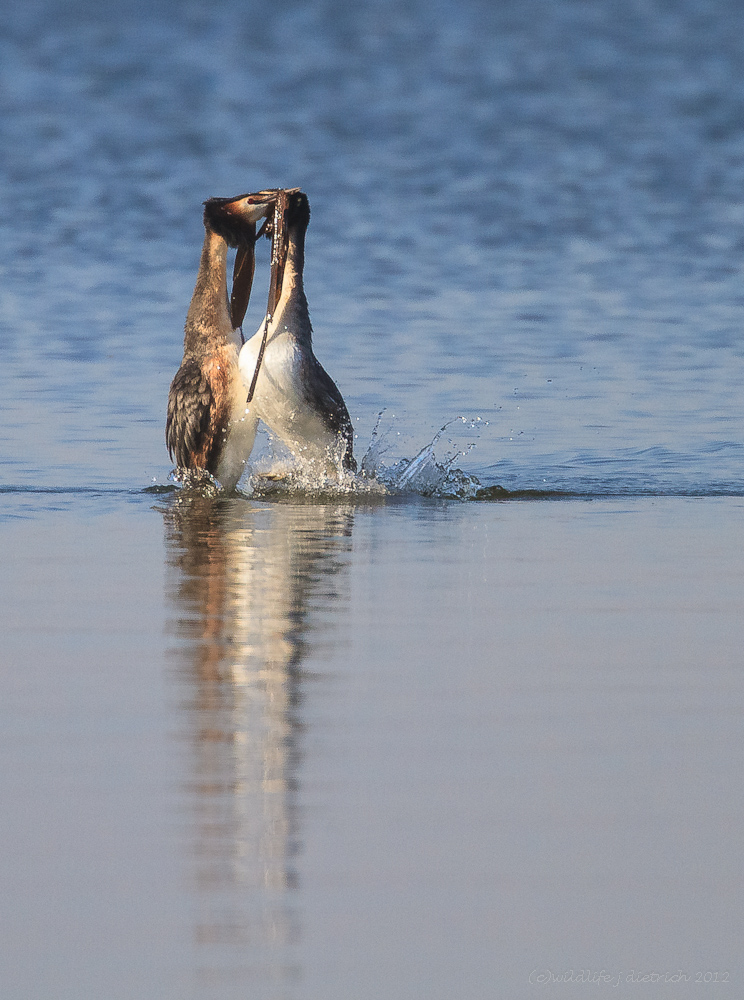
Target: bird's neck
x,y
292,310
208,320
296,252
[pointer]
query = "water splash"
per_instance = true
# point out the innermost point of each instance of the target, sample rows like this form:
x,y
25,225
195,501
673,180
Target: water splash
x,y
195,482
430,473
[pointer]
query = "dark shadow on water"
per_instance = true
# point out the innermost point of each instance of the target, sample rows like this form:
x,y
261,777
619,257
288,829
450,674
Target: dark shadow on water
x,y
604,491
240,584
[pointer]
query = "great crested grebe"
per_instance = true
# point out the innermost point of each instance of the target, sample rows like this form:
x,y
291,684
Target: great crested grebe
x,y
209,426
288,387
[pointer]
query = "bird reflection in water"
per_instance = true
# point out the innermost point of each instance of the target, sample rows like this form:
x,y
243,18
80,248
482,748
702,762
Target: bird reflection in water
x,y
242,584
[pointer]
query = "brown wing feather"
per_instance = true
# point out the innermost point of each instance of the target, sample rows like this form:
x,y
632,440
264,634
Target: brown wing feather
x,y
191,424
325,397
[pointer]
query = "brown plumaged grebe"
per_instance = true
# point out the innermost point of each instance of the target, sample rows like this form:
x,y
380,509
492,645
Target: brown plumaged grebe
x,y
289,389
209,427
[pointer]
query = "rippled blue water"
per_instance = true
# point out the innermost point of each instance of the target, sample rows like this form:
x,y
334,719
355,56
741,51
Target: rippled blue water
x,y
530,213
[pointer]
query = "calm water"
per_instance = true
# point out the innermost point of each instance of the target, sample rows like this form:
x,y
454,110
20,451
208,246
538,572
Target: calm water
x,y
364,747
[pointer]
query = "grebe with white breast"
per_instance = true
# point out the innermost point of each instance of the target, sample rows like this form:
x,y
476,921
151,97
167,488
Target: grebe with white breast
x,y
288,387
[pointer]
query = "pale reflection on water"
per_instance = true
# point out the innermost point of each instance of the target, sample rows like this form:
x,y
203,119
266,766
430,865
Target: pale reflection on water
x,y
241,583
423,754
